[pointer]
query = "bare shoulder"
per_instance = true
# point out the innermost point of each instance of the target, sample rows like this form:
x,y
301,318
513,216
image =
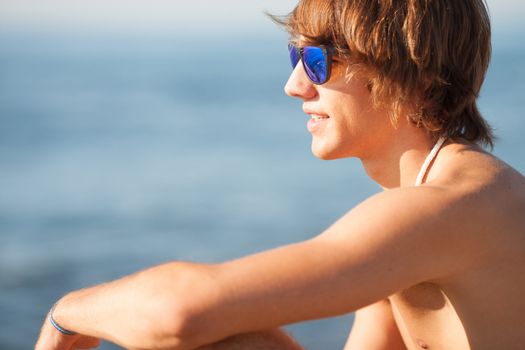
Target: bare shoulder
x,y
412,232
470,195
489,193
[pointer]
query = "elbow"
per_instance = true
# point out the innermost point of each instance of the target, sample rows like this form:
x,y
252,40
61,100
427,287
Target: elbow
x,y
179,311
167,332
165,327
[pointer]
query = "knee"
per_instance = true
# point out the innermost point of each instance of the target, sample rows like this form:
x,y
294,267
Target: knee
x,y
275,339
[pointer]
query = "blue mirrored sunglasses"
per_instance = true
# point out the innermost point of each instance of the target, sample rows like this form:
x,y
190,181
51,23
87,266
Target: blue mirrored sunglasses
x,y
317,61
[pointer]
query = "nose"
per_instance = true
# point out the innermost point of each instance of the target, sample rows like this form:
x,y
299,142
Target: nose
x,y
298,84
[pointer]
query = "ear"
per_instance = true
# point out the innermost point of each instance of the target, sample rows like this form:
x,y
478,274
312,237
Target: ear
x,y
369,86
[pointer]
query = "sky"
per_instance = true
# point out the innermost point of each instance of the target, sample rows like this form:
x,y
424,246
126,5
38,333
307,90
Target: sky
x,y
141,15
224,16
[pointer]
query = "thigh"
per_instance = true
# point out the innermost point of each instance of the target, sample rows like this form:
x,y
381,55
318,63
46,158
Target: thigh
x,y
267,340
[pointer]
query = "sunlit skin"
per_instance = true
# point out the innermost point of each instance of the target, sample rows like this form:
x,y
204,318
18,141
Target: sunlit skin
x,y
356,127
342,101
438,266
423,316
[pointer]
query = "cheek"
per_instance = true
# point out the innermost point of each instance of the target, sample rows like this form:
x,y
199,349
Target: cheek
x,y
353,109
354,92
349,102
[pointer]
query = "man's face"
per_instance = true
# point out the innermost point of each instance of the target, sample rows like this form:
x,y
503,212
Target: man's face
x,y
344,121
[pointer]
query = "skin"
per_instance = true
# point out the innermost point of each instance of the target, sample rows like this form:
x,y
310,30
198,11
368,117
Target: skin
x,y
439,266
473,298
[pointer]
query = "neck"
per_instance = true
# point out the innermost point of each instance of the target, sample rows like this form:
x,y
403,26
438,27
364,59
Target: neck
x,y
399,161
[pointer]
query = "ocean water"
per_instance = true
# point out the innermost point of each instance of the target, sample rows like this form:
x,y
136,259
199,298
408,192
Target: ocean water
x,y
120,152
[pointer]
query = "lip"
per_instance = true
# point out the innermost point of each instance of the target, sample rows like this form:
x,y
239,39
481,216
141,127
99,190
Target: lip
x,y
317,121
315,126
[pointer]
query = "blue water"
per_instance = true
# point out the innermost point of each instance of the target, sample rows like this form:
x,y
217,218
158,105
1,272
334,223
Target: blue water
x,y
121,152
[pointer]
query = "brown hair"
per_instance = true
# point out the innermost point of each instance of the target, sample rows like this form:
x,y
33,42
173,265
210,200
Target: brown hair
x,y
433,53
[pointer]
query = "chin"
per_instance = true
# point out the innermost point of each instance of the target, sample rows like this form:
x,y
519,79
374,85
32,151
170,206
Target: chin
x,y
326,151
325,154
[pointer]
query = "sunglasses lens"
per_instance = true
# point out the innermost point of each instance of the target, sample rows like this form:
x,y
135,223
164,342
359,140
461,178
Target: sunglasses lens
x,y
315,64
294,55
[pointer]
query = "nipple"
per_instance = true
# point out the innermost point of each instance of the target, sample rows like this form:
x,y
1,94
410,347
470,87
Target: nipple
x,y
422,344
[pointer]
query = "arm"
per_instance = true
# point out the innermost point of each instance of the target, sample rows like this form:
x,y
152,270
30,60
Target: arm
x,y
140,311
394,240
375,329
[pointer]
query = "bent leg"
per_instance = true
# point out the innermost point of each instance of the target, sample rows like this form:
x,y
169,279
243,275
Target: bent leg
x,y
267,340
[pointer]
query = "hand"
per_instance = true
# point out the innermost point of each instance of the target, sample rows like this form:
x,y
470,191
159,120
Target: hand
x,y
52,339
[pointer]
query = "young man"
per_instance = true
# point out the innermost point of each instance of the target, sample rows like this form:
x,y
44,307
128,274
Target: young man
x,y
436,261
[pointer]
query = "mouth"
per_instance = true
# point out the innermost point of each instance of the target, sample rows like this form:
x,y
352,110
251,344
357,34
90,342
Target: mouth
x,y
318,118
317,122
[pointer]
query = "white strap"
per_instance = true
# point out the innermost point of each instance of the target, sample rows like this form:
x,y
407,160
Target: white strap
x,y
428,160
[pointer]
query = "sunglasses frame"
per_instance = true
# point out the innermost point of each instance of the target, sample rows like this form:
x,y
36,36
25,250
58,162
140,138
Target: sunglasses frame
x,y
327,54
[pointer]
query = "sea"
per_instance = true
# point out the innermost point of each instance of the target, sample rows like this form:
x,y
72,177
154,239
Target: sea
x,y
123,151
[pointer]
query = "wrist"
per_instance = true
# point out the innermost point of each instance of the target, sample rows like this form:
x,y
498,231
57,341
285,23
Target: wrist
x,y
56,324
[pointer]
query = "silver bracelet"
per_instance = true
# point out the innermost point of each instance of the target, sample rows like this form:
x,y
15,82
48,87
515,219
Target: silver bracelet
x,y
56,325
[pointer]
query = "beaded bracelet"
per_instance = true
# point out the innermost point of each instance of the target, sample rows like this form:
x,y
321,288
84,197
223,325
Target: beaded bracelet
x,y
56,325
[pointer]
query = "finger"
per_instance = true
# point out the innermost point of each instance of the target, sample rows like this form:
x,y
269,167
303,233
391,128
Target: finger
x,y
87,343
50,338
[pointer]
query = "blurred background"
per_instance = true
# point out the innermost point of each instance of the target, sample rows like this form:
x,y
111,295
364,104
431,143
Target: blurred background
x,y
134,133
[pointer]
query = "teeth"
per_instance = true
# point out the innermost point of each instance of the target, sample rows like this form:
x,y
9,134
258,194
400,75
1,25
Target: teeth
x,y
318,117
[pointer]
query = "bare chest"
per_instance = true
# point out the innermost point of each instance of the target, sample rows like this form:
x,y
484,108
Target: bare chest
x,y
427,319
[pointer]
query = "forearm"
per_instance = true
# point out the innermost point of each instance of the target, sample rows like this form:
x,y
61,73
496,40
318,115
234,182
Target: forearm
x,y
149,309
175,306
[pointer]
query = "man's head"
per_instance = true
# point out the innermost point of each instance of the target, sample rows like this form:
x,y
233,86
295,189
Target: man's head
x,y
431,55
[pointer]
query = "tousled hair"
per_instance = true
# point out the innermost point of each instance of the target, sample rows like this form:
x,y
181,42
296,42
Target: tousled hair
x,y
429,53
